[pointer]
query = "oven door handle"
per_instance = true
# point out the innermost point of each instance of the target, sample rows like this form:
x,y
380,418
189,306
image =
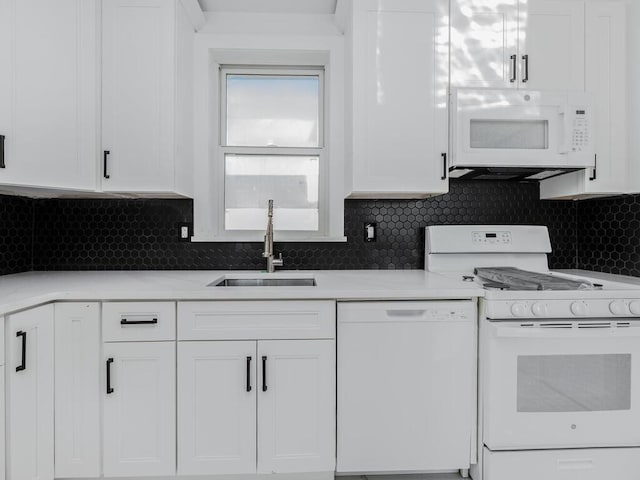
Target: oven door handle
x,y
568,333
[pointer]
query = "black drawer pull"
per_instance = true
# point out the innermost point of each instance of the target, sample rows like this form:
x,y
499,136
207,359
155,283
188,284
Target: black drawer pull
x,y
105,159
2,164
264,373
23,365
153,321
445,166
249,374
109,388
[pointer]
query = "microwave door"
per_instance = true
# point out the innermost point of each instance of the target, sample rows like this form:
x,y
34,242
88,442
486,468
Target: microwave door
x,y
511,137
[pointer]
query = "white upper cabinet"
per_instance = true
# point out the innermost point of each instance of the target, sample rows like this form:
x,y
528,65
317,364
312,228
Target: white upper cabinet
x,y
141,107
551,44
48,93
528,44
30,411
484,43
606,78
398,82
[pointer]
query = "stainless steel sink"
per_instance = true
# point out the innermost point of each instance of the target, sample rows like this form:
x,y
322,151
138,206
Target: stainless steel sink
x,y
264,282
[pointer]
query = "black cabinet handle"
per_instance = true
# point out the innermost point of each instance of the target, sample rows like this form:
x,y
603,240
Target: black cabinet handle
x,y
124,321
525,78
264,373
594,174
109,389
105,161
444,166
248,374
23,365
514,66
2,164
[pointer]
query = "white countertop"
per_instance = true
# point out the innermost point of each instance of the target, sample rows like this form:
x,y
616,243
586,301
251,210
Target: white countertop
x,y
25,290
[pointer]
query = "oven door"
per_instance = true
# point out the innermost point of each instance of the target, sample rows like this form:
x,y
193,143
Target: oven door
x,y
560,384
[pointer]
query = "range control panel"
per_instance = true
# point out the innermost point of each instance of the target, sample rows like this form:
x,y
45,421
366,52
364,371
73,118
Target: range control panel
x,y
491,238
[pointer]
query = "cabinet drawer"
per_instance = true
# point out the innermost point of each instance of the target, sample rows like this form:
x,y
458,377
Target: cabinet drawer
x,y
239,320
138,321
585,464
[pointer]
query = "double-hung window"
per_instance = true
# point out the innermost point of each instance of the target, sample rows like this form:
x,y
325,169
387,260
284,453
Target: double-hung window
x,y
272,147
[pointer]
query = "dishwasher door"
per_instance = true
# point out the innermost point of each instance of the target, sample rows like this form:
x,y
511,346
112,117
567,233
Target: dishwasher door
x,y
406,386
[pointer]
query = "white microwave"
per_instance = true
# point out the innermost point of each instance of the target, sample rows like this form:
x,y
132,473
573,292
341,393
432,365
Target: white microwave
x,y
520,134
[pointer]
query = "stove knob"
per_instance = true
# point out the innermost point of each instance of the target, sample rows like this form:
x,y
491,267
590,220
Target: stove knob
x,y
519,309
579,309
635,308
618,308
540,310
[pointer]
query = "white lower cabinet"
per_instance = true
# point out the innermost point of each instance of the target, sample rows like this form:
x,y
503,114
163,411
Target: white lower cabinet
x,y
29,394
289,384
296,406
77,390
258,404
139,420
216,407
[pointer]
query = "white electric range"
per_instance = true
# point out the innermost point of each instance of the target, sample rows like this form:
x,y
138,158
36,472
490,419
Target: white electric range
x,y
559,393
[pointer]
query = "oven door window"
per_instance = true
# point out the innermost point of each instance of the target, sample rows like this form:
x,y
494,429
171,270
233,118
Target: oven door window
x,y
574,383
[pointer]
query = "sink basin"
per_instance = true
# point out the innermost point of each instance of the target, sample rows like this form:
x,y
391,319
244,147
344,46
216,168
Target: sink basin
x,y
264,282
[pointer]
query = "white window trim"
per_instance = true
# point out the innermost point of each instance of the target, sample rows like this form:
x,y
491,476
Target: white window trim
x,y
209,169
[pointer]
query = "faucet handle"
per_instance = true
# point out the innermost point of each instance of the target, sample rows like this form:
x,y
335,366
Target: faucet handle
x,y
278,262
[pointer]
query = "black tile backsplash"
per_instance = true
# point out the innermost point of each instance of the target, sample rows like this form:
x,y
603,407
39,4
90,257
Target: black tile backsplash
x,y
143,234
609,235
599,234
16,234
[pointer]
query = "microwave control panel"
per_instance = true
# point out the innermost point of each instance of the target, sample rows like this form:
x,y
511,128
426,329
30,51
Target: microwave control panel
x,y
580,141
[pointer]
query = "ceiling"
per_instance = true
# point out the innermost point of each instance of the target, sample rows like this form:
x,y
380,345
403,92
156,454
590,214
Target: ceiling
x,y
270,6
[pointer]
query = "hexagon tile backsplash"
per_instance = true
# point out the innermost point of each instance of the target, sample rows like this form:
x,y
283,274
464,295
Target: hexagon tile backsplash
x,y
16,234
609,235
143,234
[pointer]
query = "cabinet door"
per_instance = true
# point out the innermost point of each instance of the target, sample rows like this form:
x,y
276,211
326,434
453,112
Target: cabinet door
x,y
551,39
137,94
29,395
296,406
606,65
48,93
607,79
139,410
77,390
216,408
406,391
484,43
400,97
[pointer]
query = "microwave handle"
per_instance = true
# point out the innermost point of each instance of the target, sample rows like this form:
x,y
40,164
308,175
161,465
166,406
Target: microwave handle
x,y
565,120
566,333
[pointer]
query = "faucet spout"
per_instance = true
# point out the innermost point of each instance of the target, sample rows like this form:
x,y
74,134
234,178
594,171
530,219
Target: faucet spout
x,y
268,243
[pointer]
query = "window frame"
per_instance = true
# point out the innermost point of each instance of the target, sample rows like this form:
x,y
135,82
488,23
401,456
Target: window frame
x,y
321,151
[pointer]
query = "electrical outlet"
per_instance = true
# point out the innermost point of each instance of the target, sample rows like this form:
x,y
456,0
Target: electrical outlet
x,y
370,232
185,231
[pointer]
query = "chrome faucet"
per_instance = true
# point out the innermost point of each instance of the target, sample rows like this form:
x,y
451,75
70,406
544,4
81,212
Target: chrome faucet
x,y
272,262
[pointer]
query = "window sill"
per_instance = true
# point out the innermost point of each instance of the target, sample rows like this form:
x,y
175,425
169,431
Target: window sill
x,y
260,239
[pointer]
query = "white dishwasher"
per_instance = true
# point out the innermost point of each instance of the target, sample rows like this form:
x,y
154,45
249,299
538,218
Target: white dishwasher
x,y
406,386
